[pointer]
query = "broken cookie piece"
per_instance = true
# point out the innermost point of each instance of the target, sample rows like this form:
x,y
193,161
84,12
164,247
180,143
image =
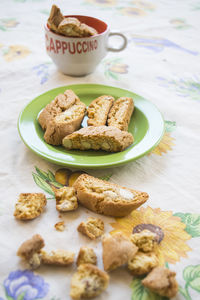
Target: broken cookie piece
x,y
107,198
86,256
144,240
66,199
60,226
57,257
74,28
161,281
29,206
93,228
106,138
142,263
117,251
88,282
55,18
98,110
30,251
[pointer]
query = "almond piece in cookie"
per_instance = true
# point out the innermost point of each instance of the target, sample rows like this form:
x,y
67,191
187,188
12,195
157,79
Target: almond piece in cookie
x,y
106,138
88,282
65,123
144,240
120,113
86,256
107,198
117,251
55,18
93,228
60,104
66,199
142,263
29,206
98,110
73,27
58,257
161,281
30,251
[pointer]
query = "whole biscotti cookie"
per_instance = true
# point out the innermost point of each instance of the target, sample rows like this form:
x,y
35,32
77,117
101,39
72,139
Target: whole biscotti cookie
x,y
65,123
105,138
120,113
98,110
61,103
107,198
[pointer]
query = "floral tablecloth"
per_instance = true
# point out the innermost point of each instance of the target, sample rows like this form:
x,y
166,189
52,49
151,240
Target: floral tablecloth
x,y
160,63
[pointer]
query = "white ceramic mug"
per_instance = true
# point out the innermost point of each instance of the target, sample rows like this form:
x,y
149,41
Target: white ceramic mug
x,y
80,56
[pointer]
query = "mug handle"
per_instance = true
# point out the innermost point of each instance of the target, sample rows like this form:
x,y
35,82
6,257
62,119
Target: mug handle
x,y
123,45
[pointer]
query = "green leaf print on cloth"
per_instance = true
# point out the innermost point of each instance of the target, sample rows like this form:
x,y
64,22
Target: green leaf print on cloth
x,y
191,275
192,222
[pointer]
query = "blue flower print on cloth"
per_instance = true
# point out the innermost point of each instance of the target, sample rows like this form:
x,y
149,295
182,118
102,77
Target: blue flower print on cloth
x,y
25,285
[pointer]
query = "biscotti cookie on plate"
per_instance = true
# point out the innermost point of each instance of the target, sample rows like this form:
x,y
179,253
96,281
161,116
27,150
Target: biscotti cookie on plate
x,y
29,206
98,110
61,103
107,198
88,282
120,113
106,138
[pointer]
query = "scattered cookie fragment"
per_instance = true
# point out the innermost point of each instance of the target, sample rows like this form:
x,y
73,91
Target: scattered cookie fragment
x,y
60,226
117,251
86,256
29,206
161,281
66,199
88,282
144,240
142,263
30,251
57,257
93,228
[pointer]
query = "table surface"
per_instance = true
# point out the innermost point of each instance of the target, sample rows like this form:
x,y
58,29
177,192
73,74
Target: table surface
x,y
160,63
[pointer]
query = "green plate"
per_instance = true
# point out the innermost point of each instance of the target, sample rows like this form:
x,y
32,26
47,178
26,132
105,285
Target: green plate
x,y
146,125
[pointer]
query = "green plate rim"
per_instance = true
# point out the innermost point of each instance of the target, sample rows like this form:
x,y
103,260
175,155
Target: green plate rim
x,y
86,165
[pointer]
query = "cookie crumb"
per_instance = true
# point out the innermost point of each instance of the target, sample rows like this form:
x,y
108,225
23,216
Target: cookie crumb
x,y
60,226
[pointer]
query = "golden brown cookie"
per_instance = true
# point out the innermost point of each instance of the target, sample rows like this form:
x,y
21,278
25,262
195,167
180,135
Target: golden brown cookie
x,y
161,281
60,104
88,282
144,240
120,113
55,18
30,251
117,251
65,123
66,199
93,228
29,206
60,226
98,110
73,27
107,198
105,138
86,256
58,257
142,263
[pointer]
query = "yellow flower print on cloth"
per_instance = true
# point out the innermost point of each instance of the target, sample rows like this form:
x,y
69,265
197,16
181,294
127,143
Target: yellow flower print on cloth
x,y
143,4
170,231
167,141
103,3
132,11
15,52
